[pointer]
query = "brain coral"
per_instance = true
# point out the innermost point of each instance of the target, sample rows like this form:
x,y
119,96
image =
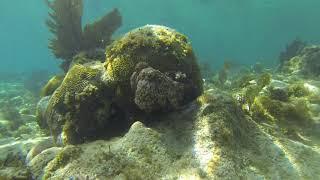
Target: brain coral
x,y
162,48
150,69
154,91
79,106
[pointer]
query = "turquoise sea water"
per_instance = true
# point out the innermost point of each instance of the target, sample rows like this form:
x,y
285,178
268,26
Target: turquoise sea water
x,y
139,104
244,31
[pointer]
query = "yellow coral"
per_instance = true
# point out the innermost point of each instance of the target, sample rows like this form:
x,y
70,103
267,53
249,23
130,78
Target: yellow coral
x,y
293,66
270,109
264,80
51,85
259,112
76,80
119,69
205,98
162,48
298,90
61,159
213,164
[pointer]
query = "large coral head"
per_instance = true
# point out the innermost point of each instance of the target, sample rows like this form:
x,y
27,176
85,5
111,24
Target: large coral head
x,y
162,49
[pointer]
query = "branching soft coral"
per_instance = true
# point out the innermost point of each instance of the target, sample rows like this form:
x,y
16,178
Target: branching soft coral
x,y
65,24
98,34
69,38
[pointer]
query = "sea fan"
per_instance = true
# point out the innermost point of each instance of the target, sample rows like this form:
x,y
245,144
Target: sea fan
x,y
69,39
65,24
98,34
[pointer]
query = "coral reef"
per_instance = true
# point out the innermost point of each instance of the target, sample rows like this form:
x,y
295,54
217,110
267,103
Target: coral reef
x,y
81,106
292,50
154,91
214,137
41,160
13,154
88,56
96,97
279,93
51,85
17,106
142,113
12,114
18,129
296,110
163,49
306,63
65,24
61,159
208,139
41,112
250,91
69,38
311,59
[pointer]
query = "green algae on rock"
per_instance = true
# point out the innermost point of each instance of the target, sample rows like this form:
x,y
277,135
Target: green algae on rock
x,y
41,160
81,106
203,140
306,62
41,112
94,98
88,56
51,85
162,48
292,50
154,91
13,155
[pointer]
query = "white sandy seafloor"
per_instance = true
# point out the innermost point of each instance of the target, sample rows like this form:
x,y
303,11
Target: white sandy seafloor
x,y
211,140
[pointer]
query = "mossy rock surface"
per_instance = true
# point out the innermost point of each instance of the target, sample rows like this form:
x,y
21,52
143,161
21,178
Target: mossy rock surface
x,y
89,56
52,85
306,63
162,48
95,97
75,81
80,106
211,139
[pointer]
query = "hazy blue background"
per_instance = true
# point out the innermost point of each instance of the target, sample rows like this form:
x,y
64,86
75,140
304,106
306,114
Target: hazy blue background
x,y
241,30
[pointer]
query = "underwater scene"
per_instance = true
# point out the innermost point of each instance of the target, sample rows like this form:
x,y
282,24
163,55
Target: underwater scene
x,y
159,89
